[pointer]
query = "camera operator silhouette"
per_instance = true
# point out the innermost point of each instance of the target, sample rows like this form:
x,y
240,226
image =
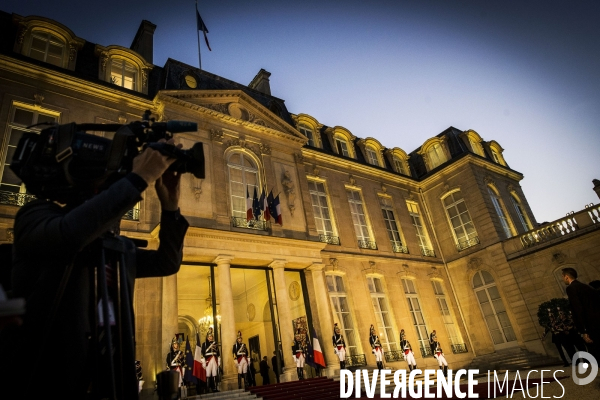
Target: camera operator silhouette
x,y
59,255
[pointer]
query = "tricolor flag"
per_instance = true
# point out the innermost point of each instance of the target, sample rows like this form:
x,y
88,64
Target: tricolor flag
x,y
188,376
264,206
203,28
248,205
199,371
255,205
277,207
318,353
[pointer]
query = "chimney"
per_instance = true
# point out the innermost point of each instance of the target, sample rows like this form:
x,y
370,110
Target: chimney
x,y
143,43
261,82
596,183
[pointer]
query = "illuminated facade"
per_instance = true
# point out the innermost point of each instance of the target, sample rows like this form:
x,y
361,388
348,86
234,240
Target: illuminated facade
x,y
439,238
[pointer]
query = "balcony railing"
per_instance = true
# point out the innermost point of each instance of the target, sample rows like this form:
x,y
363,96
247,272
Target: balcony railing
x,y
398,248
426,351
255,224
459,348
367,244
394,355
329,239
132,215
15,199
465,244
427,252
356,360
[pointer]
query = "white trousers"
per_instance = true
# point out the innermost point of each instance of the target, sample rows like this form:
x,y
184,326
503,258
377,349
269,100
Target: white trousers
x,y
378,354
300,360
341,353
242,365
441,359
212,367
410,359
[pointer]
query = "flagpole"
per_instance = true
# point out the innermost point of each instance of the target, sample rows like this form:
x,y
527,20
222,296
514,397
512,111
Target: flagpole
x,y
198,33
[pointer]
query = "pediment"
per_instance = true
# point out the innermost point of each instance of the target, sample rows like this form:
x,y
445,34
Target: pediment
x,y
234,106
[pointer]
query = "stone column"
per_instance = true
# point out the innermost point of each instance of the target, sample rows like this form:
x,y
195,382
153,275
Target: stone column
x,y
285,321
170,311
227,334
325,318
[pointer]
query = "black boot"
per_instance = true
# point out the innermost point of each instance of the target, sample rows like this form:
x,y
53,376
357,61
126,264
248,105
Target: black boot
x,y
215,384
239,381
445,370
302,373
341,365
410,368
298,372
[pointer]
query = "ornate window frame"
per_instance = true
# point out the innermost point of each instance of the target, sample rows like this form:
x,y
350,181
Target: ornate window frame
x,y
372,148
388,343
334,237
363,241
398,159
107,54
312,124
521,212
470,240
28,26
258,169
356,348
501,211
431,146
343,134
473,140
496,151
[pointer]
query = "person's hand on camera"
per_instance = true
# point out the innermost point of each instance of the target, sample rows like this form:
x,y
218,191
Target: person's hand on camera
x,y
167,187
151,164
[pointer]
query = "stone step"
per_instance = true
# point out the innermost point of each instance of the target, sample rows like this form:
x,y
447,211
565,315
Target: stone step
x,y
230,394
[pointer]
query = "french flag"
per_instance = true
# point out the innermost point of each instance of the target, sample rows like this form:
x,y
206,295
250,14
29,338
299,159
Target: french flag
x,y
199,371
264,205
277,206
318,353
249,214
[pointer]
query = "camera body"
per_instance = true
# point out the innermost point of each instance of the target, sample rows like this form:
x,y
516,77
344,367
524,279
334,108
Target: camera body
x,y
64,163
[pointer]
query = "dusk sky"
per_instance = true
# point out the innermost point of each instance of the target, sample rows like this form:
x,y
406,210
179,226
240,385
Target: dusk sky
x,y
523,73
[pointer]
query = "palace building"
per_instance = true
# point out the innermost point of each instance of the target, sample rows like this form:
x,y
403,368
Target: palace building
x,y
436,238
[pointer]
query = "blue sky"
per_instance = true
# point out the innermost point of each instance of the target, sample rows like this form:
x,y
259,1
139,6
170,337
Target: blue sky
x,y
524,73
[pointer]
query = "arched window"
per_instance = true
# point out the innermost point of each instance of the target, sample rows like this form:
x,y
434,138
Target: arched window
x,y
525,222
47,47
308,132
436,155
493,309
342,146
399,165
372,156
502,214
123,73
243,181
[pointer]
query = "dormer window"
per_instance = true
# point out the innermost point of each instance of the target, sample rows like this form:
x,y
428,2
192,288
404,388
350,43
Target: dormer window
x,y
123,73
47,47
399,166
308,132
342,146
436,155
372,157
495,156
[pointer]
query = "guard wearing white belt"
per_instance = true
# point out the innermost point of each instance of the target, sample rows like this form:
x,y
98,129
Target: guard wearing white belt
x,y
376,347
298,349
409,355
176,360
240,357
439,355
339,345
211,355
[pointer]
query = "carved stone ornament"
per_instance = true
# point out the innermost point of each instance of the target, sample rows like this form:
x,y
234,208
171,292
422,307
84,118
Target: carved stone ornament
x,y
299,158
265,149
446,188
334,263
216,135
196,186
10,235
289,189
294,291
21,34
488,179
72,51
410,195
405,272
39,99
383,188
251,310
122,119
316,171
474,263
351,180
222,108
103,60
510,188
559,257
372,268
434,273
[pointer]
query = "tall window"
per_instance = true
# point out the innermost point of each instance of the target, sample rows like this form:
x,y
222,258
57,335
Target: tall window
x,y
382,314
460,221
11,185
360,221
475,146
320,205
308,132
372,156
123,73
243,180
521,213
501,213
416,314
341,309
399,165
391,225
492,308
446,314
342,146
48,48
422,237
436,155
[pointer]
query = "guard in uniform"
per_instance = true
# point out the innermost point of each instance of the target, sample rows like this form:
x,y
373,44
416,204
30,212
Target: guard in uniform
x,y
439,355
409,356
298,349
432,340
339,345
376,347
211,354
176,360
240,357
